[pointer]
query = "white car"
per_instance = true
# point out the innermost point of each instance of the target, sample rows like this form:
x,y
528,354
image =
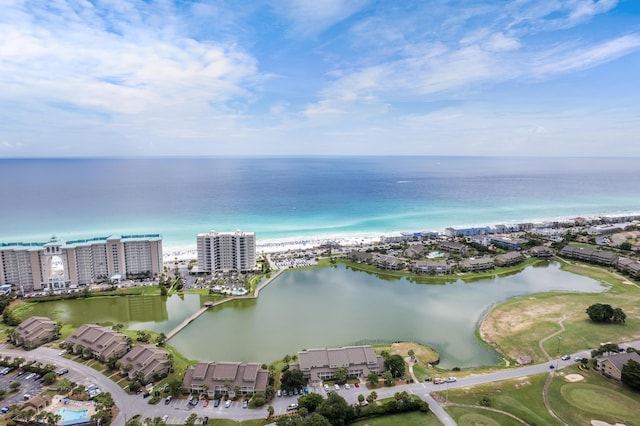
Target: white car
x,y
165,418
326,388
227,404
337,386
346,386
565,358
450,379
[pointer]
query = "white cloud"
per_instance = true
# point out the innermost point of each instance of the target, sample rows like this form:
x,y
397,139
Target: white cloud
x,y
65,53
312,17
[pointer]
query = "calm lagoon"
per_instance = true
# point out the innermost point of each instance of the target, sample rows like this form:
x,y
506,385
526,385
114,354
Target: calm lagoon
x,y
337,306
327,308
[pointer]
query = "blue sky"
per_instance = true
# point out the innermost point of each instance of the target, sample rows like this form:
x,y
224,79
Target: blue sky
x,y
321,77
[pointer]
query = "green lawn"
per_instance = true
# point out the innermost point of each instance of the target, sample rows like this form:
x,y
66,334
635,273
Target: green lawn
x,y
405,419
516,326
520,397
576,403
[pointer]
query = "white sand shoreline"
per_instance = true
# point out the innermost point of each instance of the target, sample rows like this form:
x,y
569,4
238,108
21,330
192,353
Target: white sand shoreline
x,y
188,252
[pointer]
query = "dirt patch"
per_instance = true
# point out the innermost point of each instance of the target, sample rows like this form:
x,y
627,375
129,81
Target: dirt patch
x,y
573,377
601,423
423,353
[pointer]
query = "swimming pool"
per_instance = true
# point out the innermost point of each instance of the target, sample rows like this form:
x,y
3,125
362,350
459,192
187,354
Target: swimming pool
x,y
73,417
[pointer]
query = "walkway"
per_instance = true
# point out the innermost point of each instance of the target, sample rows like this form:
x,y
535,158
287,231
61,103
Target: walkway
x,y
202,310
545,389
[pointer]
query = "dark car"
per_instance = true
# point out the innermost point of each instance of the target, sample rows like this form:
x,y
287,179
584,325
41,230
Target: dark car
x,y
146,394
216,403
205,420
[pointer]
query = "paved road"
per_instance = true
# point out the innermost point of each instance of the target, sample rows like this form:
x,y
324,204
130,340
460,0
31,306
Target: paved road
x,y
178,410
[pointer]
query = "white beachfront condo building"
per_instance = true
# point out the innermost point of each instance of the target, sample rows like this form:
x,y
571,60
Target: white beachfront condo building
x,y
59,264
226,251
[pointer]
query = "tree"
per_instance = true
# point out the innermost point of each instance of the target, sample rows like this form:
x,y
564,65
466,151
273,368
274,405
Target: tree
x,y
191,420
292,379
303,412
601,312
118,327
335,409
361,398
174,387
631,374
372,397
270,411
310,401
395,364
619,316
49,378
294,420
316,420
341,375
14,386
372,379
626,246
388,378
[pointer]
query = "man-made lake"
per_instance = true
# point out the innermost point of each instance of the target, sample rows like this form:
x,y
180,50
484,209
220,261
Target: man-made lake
x,y
328,308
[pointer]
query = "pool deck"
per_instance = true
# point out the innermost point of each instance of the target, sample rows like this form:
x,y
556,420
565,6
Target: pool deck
x,y
58,402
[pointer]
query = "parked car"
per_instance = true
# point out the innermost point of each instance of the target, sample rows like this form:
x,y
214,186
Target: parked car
x,y
346,386
216,403
205,420
205,403
4,410
279,393
356,384
165,418
326,388
450,379
565,357
245,404
167,400
292,407
337,386
227,404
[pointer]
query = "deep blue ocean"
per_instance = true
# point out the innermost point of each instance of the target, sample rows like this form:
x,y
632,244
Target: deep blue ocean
x,y
302,198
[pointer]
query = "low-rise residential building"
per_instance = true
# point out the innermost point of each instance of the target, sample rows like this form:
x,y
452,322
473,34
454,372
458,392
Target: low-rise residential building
x,y
629,267
104,343
361,256
452,247
508,243
432,267
477,264
611,366
541,252
599,257
414,251
387,262
34,331
225,378
508,259
321,364
145,362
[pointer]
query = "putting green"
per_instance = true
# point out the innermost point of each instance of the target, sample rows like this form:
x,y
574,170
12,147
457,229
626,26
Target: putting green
x,y
474,419
598,400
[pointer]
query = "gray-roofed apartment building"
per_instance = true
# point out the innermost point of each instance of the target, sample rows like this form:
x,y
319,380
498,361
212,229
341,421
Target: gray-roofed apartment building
x,y
321,364
224,378
104,343
145,362
34,331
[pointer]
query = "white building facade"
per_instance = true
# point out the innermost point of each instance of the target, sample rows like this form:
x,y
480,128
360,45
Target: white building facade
x,y
58,264
226,251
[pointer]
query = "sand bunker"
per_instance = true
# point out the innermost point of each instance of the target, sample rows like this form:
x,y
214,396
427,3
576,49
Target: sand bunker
x,y
574,378
601,423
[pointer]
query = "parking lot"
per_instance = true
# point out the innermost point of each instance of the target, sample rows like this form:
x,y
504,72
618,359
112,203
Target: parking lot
x,y
28,386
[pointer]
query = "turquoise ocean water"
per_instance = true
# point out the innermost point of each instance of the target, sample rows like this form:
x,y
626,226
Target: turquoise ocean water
x,y
302,198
